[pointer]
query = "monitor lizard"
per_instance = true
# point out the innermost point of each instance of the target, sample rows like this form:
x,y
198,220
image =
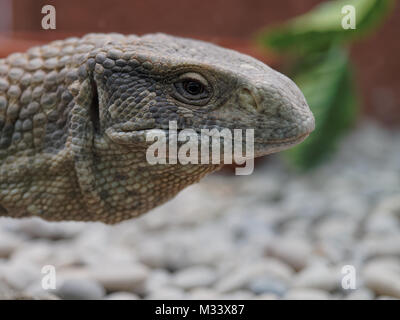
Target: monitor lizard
x,y
74,115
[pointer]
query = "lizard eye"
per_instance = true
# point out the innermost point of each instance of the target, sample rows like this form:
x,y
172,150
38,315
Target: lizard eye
x,y
192,88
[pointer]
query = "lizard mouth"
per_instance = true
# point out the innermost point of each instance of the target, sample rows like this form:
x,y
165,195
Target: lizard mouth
x,y
136,137
295,139
277,145
139,138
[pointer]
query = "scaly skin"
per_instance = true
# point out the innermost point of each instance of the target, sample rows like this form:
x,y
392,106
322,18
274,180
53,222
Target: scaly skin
x,y
74,115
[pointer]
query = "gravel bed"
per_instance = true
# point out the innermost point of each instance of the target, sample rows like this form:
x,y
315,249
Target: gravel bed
x,y
275,234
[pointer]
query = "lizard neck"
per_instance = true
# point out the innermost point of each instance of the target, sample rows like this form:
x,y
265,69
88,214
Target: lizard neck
x,y
127,185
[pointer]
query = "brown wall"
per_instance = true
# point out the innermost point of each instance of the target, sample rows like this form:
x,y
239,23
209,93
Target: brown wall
x,y
201,18
377,61
228,22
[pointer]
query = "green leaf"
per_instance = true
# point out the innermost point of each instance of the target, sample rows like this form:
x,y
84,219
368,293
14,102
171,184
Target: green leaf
x,y
327,85
321,27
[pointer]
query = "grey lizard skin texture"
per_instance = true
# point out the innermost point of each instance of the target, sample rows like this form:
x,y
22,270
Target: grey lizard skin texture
x,y
74,115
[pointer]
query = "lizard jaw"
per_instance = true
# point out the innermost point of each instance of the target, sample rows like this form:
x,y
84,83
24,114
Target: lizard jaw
x,y
274,146
135,138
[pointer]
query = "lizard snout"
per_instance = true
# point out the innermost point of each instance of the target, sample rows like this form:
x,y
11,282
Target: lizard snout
x,y
278,108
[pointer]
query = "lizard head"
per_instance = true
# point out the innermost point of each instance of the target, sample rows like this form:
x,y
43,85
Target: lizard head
x,y
158,78
145,83
89,111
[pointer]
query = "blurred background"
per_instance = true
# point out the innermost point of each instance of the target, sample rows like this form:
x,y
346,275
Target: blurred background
x,y
285,232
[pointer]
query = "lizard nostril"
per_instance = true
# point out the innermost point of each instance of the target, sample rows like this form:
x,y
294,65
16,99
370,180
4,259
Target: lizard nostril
x,y
248,101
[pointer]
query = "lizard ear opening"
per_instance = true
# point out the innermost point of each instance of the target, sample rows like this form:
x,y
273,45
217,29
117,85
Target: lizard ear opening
x,y
94,109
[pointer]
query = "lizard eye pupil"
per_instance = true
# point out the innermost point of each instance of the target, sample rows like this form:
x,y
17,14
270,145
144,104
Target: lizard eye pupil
x,y
193,87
